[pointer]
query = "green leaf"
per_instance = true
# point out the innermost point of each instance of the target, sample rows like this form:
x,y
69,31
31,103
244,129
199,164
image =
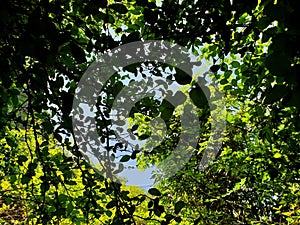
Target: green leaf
x,y
132,67
230,118
63,198
178,219
198,97
154,191
277,155
60,212
263,23
166,105
235,64
150,16
144,136
169,217
150,204
120,8
276,93
166,114
166,109
21,159
11,142
44,187
227,87
25,179
181,77
78,53
134,36
111,204
158,210
15,100
102,3
178,206
142,2
108,213
215,68
224,81
125,158
278,64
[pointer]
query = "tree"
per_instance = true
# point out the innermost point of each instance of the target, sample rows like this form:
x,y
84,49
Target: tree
x,y
45,48
29,196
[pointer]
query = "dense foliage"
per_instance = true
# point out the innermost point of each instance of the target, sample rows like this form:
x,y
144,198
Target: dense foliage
x,y
45,48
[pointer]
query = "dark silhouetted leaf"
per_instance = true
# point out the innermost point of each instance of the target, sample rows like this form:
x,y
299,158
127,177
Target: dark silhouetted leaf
x,y
154,191
198,97
125,158
78,53
278,64
178,206
120,8
181,77
111,204
150,16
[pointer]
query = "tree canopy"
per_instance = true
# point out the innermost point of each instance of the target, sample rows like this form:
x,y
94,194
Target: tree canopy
x,y
45,48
